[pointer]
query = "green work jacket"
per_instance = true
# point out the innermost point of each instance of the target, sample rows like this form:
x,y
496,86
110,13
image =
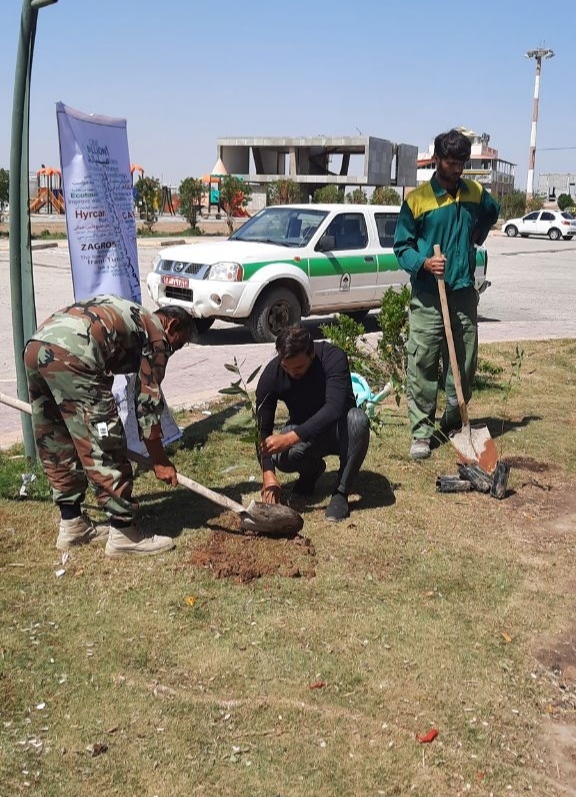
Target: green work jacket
x,y
430,215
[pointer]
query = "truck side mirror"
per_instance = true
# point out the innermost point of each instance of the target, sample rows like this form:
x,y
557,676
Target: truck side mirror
x,y
326,243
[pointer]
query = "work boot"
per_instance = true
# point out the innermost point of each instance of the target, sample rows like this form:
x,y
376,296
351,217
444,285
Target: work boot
x,y
78,531
304,484
444,430
131,541
337,509
420,448
450,424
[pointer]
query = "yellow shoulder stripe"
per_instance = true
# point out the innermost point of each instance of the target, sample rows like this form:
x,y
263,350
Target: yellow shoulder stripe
x,y
423,199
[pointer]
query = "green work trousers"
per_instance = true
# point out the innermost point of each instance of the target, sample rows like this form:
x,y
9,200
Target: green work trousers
x,y
428,351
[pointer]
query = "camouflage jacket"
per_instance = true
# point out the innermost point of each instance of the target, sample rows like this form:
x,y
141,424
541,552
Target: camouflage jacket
x,y
116,336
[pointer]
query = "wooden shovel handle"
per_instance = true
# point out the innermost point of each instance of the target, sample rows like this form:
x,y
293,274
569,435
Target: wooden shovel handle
x,y
145,462
190,484
451,350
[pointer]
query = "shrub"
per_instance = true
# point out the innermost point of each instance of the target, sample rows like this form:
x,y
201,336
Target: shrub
x,y
147,195
565,201
536,203
385,195
328,195
513,205
357,197
283,192
190,192
234,195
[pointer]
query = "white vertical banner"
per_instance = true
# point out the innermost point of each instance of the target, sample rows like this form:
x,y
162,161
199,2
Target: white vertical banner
x,y
101,225
97,187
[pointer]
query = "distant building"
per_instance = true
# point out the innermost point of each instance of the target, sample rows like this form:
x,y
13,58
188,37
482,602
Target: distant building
x,y
553,184
484,166
352,161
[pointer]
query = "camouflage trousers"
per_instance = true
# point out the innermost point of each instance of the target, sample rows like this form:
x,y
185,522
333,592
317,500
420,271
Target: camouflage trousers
x,y
79,436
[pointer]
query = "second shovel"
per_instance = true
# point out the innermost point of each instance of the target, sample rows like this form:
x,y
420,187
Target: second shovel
x,y
473,444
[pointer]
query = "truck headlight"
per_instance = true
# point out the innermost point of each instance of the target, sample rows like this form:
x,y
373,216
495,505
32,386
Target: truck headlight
x,y
225,272
156,263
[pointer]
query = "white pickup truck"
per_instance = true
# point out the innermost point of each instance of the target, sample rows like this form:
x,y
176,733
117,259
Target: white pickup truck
x,y
286,262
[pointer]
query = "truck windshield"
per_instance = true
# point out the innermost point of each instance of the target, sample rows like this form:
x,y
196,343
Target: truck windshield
x,y
283,226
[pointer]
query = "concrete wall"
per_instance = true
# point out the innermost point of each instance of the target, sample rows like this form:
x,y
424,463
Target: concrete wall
x,y
236,159
378,161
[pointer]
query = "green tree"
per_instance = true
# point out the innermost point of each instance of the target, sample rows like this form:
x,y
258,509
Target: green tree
x,y
283,192
513,205
4,188
536,203
234,195
148,195
357,197
385,195
565,201
190,192
328,195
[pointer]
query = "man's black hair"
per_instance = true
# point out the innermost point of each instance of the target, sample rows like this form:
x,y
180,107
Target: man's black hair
x,y
186,322
452,144
293,341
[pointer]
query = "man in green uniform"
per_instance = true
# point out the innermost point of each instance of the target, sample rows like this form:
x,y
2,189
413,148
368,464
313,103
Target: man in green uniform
x,y
455,214
71,361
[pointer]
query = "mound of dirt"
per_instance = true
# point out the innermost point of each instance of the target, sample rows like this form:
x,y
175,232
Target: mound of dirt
x,y
244,558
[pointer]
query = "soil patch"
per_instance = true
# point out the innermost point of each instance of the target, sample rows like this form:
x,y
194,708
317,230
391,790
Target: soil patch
x,y
528,463
244,558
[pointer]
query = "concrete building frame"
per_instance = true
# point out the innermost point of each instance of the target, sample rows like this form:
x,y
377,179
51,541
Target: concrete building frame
x,y
319,161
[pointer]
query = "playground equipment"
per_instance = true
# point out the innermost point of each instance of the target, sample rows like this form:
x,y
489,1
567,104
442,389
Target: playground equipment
x,y
49,194
212,180
238,209
135,167
167,202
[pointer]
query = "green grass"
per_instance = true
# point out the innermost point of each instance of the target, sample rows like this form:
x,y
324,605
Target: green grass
x,y
425,611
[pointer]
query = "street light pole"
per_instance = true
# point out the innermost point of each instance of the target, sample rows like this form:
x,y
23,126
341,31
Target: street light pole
x,y
21,276
537,55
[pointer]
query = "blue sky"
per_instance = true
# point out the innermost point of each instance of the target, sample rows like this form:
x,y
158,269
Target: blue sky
x,y
184,73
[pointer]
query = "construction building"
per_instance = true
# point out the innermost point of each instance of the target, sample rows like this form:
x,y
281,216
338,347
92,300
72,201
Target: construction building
x,y
553,184
347,162
485,165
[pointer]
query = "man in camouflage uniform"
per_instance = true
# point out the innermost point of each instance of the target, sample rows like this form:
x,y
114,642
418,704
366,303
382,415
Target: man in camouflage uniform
x,y
71,361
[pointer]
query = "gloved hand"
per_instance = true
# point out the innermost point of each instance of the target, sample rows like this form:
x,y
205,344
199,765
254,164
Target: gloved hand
x,y
270,492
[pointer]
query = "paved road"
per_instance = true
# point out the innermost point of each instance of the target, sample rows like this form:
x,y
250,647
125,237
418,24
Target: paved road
x,y
531,298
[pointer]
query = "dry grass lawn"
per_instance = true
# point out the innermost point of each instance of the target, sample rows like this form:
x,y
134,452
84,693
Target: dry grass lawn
x,y
247,666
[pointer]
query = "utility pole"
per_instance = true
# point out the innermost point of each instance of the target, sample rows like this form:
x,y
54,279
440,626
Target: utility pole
x,y
21,277
537,55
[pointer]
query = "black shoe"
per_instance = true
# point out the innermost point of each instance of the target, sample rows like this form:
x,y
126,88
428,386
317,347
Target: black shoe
x,y
447,426
442,434
304,485
337,509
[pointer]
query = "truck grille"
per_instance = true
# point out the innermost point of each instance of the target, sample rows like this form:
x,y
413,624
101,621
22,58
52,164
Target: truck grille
x,y
183,294
178,267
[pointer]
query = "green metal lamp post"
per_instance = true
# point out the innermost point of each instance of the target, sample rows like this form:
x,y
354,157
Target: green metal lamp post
x,y
21,276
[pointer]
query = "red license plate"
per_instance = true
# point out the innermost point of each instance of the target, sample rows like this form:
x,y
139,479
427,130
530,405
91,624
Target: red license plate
x,y
175,282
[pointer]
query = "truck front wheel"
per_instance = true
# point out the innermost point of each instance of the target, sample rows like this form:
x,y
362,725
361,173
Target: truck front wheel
x,y
275,309
203,324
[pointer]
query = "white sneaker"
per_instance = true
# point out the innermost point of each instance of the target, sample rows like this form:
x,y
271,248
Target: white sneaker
x,y
78,531
420,448
131,541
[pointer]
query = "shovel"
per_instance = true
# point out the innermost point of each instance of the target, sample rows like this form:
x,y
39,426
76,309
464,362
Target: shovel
x,y
275,520
473,444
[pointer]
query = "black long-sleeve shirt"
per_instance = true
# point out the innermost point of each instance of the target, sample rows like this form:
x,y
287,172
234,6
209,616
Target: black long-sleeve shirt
x,y
315,401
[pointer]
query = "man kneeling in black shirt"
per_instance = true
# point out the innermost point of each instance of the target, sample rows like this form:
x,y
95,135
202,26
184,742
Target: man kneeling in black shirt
x,y
313,381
